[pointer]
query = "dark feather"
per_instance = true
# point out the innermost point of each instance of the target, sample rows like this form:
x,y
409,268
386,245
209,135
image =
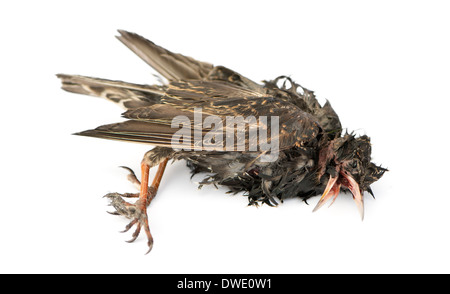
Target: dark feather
x,y
170,65
295,126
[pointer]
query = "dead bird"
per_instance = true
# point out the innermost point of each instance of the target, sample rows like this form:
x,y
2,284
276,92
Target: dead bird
x,y
310,154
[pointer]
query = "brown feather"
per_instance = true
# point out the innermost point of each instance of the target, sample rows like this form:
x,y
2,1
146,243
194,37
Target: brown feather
x,y
170,65
127,95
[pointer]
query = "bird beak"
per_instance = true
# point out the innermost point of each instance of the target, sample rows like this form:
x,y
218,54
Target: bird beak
x,y
334,186
353,186
330,191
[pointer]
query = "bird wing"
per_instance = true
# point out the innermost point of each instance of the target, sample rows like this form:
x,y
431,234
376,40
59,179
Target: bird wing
x,y
157,124
172,66
127,95
175,66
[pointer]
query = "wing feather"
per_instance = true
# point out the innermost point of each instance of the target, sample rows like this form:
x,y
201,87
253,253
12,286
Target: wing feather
x,y
153,125
170,65
193,85
127,95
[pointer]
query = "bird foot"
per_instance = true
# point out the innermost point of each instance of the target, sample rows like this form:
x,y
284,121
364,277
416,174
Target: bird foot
x,y
137,212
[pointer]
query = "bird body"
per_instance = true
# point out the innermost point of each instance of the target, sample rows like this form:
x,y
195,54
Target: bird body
x,y
203,108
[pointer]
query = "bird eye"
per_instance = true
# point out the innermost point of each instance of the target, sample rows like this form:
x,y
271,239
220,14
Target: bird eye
x,y
354,164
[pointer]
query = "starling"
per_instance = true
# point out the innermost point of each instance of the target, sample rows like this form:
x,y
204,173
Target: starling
x,y
310,153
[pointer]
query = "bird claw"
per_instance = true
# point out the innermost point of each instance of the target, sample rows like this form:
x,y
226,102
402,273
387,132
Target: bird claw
x,y
113,213
132,177
137,212
122,207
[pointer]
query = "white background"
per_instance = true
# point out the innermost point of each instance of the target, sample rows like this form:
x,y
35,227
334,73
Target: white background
x,y
384,66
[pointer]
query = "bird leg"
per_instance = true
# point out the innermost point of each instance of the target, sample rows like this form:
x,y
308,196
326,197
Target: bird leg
x,y
137,212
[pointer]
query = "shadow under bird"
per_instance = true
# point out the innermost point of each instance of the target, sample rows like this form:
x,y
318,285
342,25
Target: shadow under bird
x,y
315,156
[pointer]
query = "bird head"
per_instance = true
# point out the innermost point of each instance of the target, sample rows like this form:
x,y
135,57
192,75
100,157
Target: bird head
x,y
346,164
